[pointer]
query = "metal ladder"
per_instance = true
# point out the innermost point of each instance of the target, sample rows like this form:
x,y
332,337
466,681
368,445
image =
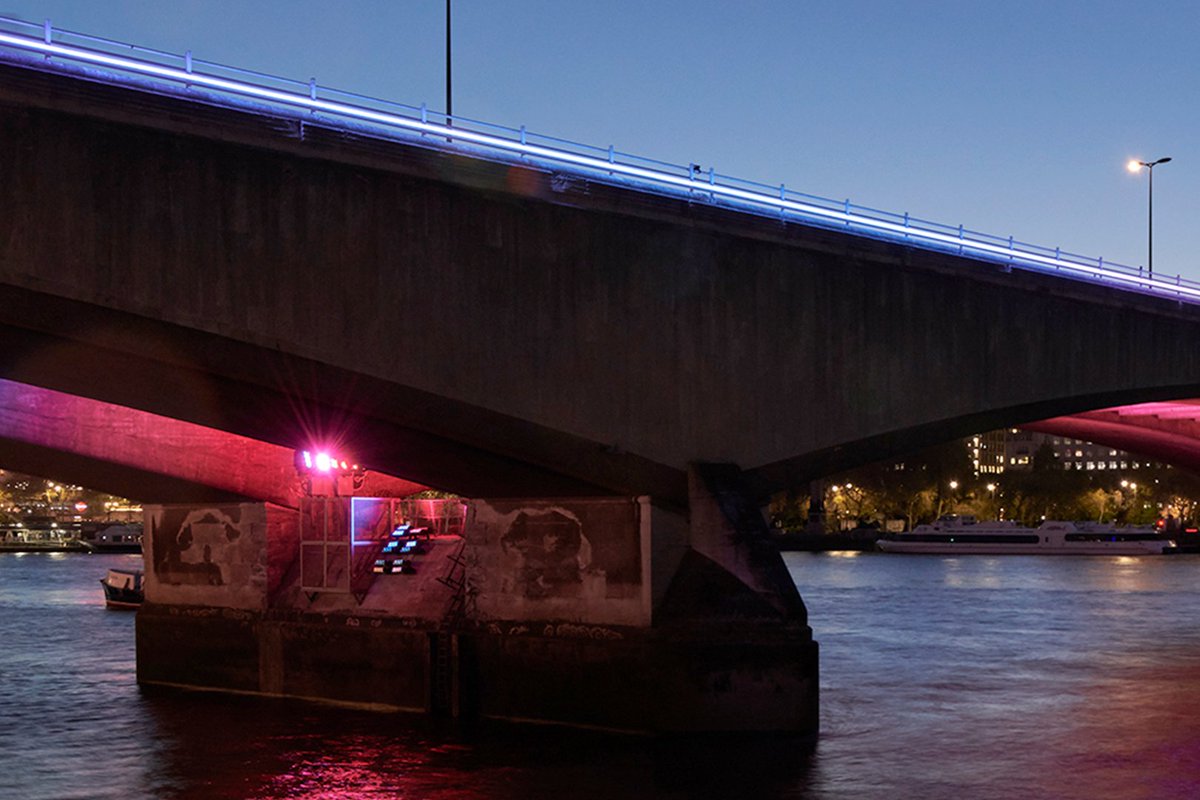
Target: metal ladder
x,y
443,638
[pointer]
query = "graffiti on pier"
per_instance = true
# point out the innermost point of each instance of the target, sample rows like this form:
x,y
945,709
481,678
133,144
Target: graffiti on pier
x,y
190,546
561,552
549,552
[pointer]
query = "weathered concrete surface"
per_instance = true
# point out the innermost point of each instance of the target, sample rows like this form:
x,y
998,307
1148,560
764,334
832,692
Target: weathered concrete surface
x,y
199,647
569,628
628,680
502,330
651,681
362,661
578,560
728,529
234,556
550,612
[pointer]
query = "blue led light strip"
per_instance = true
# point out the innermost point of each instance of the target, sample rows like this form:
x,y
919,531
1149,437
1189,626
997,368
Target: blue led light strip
x,y
599,168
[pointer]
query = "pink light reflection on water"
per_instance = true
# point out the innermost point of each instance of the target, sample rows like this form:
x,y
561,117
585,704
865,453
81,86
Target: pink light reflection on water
x,y
1133,735
367,767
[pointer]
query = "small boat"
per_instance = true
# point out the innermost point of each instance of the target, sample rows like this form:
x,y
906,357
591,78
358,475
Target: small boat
x,y
122,588
962,535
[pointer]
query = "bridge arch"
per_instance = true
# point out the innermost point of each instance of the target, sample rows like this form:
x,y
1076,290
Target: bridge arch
x,y
1130,420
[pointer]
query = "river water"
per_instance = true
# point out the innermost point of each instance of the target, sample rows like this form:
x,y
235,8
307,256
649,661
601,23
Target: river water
x,y
969,677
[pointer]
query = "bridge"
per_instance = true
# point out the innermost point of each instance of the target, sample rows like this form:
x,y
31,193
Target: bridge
x,y
505,316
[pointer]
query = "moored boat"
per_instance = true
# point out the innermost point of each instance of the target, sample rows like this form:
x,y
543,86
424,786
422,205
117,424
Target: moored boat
x,y
122,588
114,539
962,535
25,540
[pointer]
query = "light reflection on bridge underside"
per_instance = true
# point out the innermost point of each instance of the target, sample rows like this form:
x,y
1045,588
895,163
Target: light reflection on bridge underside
x,y
1169,431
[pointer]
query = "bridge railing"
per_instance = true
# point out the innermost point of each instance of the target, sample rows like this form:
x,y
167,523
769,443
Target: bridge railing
x,y
42,46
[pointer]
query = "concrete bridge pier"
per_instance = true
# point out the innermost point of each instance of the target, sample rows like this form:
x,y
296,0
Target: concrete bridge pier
x,y
608,613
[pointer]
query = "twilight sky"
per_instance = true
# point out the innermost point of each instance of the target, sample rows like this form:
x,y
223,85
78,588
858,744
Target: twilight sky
x,y
1011,117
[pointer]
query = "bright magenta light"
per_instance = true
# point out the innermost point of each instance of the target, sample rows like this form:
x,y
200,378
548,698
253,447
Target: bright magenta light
x,y
308,464
324,462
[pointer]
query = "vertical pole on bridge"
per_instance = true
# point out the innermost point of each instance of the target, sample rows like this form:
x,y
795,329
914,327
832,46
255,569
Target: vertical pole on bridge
x,y
1150,226
449,94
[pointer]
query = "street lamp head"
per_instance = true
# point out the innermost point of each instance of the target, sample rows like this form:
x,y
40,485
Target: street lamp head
x,y
1133,165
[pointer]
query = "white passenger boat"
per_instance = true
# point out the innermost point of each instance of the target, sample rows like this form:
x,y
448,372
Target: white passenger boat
x,y
961,535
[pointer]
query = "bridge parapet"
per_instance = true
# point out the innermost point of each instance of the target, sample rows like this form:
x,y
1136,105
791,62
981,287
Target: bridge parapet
x,y
205,81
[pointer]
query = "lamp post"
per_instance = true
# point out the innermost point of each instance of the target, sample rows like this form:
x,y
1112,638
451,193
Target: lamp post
x,y
1134,166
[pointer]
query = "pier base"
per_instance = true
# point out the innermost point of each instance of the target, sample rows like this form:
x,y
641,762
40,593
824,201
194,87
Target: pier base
x,y
599,613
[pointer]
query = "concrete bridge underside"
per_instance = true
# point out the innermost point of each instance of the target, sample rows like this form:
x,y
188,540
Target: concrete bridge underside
x,y
504,329
1167,431
148,457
